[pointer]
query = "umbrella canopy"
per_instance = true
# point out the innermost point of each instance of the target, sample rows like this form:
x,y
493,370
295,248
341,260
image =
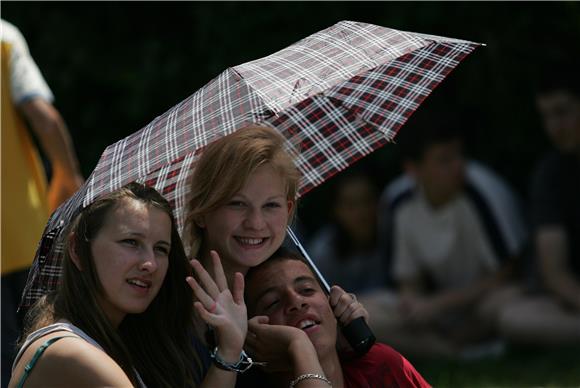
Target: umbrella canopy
x,y
336,96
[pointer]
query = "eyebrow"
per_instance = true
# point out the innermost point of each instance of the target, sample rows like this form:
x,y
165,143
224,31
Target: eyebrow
x,y
131,233
281,196
298,280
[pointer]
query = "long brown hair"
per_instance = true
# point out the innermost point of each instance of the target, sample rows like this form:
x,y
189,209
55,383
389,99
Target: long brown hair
x,y
225,166
157,343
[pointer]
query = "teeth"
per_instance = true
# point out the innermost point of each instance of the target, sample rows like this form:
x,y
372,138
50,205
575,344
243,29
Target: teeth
x,y
305,324
250,241
137,283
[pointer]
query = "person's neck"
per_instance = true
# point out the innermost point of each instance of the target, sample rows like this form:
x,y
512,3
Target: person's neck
x,y
435,200
229,268
332,369
363,239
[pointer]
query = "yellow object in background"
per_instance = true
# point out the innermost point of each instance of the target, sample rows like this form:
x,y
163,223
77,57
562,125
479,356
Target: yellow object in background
x,y
24,208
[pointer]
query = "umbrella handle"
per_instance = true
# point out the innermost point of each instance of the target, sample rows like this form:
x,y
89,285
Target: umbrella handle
x,y
357,332
359,335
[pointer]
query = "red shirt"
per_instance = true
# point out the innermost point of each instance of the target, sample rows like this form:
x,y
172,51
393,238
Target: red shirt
x,y
381,367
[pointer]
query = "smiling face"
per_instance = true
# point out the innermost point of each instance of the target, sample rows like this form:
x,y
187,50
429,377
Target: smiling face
x,y
252,224
130,254
286,291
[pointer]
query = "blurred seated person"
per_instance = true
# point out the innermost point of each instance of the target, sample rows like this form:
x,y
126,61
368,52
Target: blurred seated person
x,y
286,301
455,236
347,250
550,315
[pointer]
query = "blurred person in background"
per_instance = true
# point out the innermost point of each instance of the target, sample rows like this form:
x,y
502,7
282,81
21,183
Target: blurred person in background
x,y
454,233
26,200
347,250
550,313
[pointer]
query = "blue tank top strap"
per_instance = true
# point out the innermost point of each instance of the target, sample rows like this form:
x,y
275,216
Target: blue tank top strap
x,y
37,354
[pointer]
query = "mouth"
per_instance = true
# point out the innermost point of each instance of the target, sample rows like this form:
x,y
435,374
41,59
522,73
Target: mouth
x,y
251,242
139,283
307,324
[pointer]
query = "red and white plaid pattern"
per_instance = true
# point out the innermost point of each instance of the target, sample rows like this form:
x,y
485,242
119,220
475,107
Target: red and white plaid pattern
x,y
336,95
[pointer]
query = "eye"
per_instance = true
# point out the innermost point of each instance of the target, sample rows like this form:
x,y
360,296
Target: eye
x,y
272,205
130,241
308,291
271,305
162,249
236,204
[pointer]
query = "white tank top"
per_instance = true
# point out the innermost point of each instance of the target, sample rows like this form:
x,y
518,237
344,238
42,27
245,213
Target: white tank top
x,y
61,326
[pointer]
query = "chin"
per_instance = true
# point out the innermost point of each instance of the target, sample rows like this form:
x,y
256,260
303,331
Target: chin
x,y
138,309
252,259
250,262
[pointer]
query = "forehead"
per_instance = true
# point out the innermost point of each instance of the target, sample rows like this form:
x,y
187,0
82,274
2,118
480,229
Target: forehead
x,y
266,172
442,149
355,186
130,212
556,98
277,274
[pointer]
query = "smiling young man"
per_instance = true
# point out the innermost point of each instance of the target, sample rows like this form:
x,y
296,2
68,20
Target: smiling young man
x,y
287,302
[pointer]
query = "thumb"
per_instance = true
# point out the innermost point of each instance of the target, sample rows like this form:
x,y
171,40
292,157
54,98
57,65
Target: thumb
x,y
254,322
335,294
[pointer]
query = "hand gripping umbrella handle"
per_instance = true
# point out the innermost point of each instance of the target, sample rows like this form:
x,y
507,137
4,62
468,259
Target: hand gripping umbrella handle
x,y
357,332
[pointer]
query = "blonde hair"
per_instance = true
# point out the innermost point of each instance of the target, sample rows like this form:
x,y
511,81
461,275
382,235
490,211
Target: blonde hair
x,y
225,166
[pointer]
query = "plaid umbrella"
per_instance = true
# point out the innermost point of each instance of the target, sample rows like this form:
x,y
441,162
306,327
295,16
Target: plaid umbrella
x,y
336,95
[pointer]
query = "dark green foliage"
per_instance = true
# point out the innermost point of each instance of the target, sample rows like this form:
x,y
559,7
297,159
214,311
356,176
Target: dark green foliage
x,y
518,367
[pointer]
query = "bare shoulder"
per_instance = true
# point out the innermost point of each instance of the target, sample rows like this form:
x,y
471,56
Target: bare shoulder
x,y
70,361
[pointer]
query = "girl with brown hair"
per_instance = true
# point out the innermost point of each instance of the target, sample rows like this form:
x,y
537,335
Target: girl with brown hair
x,y
122,313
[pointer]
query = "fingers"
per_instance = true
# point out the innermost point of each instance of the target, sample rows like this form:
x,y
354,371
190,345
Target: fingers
x,y
335,293
345,306
253,329
208,284
251,340
254,324
206,300
238,289
207,317
218,270
340,300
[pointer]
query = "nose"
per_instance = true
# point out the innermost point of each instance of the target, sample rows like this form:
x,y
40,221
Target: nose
x,y
254,220
296,302
149,261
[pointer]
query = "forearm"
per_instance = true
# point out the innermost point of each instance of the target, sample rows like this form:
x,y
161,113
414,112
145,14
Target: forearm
x,y
552,249
305,361
51,131
459,298
217,377
568,289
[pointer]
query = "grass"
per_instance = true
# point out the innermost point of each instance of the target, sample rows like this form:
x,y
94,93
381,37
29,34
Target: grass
x,y
517,367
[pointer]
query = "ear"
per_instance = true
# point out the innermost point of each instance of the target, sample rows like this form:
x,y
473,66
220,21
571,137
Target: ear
x,y
72,251
291,204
